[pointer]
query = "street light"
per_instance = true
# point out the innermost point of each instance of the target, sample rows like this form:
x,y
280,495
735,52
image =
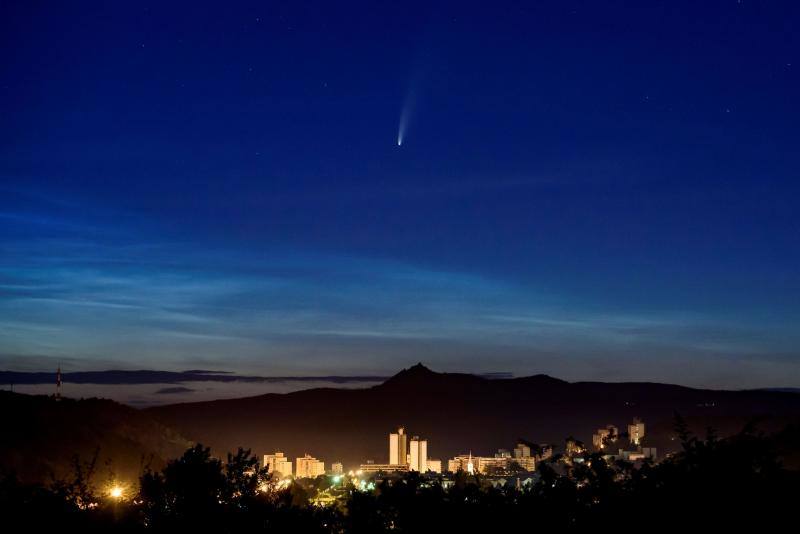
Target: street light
x,y
116,492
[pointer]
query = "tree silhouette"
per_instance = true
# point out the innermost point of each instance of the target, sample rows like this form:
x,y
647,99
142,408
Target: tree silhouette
x,y
712,484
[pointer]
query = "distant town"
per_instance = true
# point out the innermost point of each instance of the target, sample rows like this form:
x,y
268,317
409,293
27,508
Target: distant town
x,y
409,453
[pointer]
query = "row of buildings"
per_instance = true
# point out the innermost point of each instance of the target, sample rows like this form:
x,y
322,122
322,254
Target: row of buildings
x,y
411,454
610,434
523,457
408,454
279,465
607,440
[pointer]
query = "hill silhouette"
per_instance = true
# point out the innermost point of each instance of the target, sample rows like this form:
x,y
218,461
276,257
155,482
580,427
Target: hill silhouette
x,y
41,436
463,412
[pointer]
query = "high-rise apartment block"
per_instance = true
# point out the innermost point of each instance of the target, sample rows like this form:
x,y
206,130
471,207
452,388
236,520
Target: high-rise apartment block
x,y
524,457
398,447
409,454
309,467
418,455
636,431
522,450
278,465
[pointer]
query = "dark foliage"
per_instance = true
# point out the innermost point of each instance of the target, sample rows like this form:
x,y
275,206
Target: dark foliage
x,y
711,484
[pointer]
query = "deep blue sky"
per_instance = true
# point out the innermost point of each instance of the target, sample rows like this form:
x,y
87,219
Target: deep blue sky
x,y
596,190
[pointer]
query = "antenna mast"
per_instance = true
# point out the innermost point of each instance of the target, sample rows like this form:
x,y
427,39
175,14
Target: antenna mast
x,y
58,383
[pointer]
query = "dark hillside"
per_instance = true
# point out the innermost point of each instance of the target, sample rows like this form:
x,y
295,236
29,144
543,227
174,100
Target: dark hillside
x,y
42,435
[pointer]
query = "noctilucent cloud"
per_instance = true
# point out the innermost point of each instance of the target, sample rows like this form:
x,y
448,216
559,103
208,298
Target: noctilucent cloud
x,y
594,190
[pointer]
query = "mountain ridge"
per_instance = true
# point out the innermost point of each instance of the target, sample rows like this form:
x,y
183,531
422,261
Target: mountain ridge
x,y
458,412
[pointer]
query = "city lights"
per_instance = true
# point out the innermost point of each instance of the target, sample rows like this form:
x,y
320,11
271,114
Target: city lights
x,y
515,466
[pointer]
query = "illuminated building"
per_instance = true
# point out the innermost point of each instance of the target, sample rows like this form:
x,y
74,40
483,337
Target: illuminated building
x,y
604,436
462,462
528,463
418,455
435,466
631,456
477,464
522,450
574,447
383,468
540,452
486,465
337,468
640,454
278,464
523,457
309,467
636,431
398,448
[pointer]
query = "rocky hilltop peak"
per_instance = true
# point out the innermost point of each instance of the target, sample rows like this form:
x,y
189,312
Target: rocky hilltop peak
x,y
418,377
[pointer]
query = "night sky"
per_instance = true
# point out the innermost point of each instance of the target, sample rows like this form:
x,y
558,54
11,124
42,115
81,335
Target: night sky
x,y
593,190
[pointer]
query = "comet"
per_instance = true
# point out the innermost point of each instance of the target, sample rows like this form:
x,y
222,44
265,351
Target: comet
x,y
401,130
405,116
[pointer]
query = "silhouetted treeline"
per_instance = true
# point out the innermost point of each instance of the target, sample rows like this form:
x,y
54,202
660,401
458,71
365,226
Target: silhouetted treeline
x,y
715,484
